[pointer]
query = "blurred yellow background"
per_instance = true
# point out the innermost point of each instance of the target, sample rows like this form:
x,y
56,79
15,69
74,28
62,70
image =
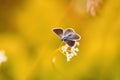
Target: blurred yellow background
x,y
28,41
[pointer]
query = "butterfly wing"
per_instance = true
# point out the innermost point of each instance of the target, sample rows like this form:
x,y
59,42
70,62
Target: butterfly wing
x,y
68,31
75,37
70,43
58,31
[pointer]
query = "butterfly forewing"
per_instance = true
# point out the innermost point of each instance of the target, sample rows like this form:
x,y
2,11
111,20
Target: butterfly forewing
x,y
74,37
68,31
58,31
70,43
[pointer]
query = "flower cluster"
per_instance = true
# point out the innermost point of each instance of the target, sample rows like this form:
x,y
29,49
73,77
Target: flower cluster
x,y
3,58
70,52
92,5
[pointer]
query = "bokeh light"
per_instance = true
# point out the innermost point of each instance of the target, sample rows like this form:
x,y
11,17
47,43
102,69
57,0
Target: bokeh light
x,y
31,47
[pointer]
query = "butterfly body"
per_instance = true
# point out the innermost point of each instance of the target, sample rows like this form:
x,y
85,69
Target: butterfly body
x,y
68,35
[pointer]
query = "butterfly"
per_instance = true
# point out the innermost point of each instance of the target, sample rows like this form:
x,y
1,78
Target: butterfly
x,y
68,36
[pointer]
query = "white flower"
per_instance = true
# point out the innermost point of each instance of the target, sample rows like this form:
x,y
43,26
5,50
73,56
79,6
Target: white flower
x,y
64,48
68,56
70,52
77,43
3,58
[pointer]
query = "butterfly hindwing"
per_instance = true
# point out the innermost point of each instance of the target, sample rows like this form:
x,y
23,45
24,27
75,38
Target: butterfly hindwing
x,y
70,43
58,31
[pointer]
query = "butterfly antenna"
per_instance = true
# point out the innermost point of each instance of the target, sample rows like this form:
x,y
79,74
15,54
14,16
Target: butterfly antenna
x,y
60,45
